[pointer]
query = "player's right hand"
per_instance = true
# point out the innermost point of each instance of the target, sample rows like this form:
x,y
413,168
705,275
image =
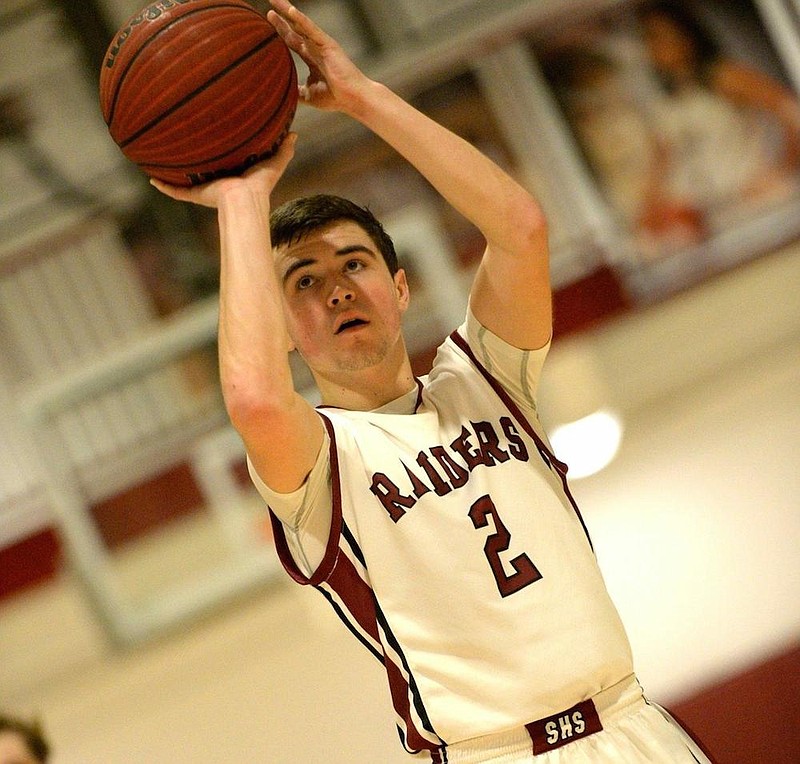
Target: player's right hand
x,y
259,179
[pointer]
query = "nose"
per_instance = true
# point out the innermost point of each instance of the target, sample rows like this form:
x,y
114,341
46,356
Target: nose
x,y
340,293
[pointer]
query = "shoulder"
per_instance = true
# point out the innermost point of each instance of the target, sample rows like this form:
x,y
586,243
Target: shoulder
x,y
474,347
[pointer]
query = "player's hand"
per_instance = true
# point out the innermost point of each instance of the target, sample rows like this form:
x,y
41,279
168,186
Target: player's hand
x,y
334,81
260,179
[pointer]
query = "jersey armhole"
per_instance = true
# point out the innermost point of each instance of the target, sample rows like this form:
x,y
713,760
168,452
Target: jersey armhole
x,y
327,564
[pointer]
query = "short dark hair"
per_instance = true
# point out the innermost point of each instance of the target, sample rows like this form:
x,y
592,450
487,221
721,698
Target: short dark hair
x,y
293,220
30,732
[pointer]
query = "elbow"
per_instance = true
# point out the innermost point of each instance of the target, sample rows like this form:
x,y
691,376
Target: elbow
x,y
241,409
530,218
529,223
249,405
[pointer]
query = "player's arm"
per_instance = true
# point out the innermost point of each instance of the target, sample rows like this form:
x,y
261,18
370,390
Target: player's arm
x,y
510,295
511,292
281,431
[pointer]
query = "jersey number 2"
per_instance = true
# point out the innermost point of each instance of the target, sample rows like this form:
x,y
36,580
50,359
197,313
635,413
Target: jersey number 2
x,y
525,572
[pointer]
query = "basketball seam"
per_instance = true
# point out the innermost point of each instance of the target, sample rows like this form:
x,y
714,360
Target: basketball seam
x,y
193,12
189,96
282,103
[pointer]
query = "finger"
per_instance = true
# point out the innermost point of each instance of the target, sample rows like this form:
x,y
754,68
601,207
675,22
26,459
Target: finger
x,y
281,6
293,40
192,194
176,192
273,168
299,22
281,25
287,145
285,151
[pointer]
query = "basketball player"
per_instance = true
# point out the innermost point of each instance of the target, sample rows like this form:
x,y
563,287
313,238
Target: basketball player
x,y
431,513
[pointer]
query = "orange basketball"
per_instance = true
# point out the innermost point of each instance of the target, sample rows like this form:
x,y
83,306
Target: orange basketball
x,y
193,90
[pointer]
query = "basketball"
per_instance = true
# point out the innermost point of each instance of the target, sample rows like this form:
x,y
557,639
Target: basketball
x,y
193,90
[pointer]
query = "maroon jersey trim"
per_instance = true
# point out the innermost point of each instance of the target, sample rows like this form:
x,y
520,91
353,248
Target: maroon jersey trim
x,y
547,455
332,547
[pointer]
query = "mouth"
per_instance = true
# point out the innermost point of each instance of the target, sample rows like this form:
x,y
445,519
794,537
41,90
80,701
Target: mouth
x,y
350,324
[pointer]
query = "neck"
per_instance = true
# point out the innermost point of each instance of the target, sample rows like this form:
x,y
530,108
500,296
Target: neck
x,y
368,388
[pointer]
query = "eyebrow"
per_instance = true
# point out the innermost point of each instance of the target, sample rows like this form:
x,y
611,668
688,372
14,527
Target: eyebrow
x,y
342,252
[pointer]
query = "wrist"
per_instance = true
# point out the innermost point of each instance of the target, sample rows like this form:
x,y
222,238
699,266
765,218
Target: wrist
x,y
365,98
238,198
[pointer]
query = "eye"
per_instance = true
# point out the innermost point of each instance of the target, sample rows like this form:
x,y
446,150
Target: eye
x,y
304,282
352,266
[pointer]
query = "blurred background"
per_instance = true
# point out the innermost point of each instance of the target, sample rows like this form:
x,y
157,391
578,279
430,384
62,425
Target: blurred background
x,y
143,616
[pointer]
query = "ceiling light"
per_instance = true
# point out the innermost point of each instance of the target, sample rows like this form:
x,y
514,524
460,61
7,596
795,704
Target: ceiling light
x,y
588,444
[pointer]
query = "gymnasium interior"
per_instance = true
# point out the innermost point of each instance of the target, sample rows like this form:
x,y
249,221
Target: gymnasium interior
x,y
144,616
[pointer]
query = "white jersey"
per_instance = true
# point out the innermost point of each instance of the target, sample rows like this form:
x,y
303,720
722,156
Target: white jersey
x,y
457,556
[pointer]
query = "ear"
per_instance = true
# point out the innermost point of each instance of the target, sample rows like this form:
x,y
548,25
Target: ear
x,y
401,288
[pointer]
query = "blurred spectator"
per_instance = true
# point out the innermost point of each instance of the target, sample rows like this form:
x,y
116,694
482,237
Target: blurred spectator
x,y
730,134
22,742
621,143
682,138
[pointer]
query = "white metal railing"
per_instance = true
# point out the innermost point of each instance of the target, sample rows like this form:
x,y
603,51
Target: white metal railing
x,y
127,621
94,400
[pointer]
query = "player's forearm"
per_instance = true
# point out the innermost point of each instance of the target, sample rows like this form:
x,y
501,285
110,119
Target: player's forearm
x,y
253,343
495,203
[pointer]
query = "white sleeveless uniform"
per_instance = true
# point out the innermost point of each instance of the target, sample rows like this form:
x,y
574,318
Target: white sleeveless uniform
x,y
459,559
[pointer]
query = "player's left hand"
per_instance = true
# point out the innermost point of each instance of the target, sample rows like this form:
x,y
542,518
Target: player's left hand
x,y
334,81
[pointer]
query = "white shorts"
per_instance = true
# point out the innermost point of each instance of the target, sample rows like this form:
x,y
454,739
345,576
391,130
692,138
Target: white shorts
x,y
633,730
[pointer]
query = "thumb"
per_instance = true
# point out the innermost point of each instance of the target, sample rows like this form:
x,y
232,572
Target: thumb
x,y
286,149
280,158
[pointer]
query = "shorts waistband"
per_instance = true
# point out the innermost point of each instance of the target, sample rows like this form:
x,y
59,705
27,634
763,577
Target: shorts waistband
x,y
619,696
551,732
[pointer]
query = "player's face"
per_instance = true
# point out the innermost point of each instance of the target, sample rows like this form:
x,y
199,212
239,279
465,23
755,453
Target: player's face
x,y
343,307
